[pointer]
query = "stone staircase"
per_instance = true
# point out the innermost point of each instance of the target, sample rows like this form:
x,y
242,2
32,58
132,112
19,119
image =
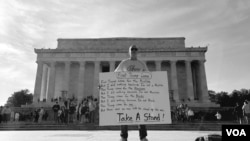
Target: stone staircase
x,y
201,126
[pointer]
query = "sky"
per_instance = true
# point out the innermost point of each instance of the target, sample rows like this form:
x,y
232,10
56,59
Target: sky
x,y
223,26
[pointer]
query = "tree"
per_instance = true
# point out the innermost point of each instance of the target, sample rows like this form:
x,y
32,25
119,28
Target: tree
x,y
20,98
229,100
223,99
212,96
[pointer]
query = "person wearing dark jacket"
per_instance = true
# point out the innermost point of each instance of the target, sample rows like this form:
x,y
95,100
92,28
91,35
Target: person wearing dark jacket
x,y
238,112
56,108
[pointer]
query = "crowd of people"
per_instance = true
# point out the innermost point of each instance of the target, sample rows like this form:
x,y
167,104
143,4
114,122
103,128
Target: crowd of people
x,y
70,112
87,112
8,115
65,112
38,116
183,113
242,112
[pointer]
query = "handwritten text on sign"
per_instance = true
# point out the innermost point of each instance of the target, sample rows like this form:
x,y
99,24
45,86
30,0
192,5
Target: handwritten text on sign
x,y
134,98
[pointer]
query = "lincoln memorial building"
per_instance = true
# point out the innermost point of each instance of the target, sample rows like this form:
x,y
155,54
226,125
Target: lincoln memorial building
x,y
72,69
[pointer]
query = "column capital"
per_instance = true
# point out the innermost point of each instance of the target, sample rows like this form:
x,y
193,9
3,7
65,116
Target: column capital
x,y
52,63
202,61
39,62
188,61
173,61
97,63
112,62
159,61
82,63
67,62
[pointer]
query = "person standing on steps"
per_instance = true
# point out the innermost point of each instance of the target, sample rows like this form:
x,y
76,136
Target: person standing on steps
x,y
246,111
132,64
238,112
56,108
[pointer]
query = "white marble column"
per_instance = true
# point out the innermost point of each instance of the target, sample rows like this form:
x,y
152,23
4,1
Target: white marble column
x,y
203,81
44,82
66,76
190,88
52,75
96,79
80,91
38,83
174,81
158,65
112,66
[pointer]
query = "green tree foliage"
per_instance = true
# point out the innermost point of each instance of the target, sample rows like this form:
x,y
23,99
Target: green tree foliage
x,y
212,96
229,100
20,98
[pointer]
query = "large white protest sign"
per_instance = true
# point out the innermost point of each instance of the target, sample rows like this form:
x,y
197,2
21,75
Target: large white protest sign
x,y
128,98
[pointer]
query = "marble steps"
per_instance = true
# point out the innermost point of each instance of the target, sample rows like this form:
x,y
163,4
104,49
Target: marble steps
x,y
206,126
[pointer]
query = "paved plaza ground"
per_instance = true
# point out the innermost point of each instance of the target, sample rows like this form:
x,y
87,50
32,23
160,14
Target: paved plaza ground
x,y
101,135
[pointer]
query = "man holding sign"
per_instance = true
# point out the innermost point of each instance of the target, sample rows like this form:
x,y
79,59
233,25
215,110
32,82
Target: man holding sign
x,y
132,64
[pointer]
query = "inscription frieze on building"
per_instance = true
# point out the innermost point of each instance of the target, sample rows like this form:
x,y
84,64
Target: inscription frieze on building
x,y
121,43
165,54
180,54
118,55
194,54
